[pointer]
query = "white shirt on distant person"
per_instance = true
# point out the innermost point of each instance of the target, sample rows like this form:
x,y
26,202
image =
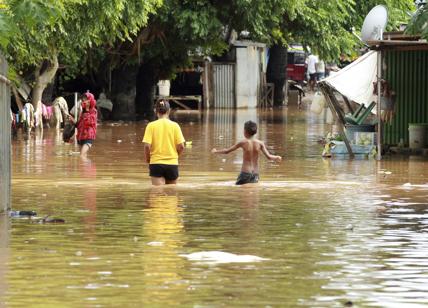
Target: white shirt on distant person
x,y
312,61
320,66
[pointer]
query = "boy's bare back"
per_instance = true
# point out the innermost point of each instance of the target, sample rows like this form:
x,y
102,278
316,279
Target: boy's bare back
x,y
251,148
250,159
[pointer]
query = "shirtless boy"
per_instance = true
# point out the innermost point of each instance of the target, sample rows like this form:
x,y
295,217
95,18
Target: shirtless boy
x,y
251,148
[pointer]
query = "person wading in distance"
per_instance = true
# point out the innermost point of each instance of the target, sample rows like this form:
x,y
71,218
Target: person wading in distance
x,y
163,144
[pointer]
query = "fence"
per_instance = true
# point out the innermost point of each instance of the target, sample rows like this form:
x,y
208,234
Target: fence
x,y
224,85
5,141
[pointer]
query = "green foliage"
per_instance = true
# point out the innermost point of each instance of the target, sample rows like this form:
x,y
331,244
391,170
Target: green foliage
x,y
43,29
397,11
87,34
322,26
419,23
327,26
36,23
6,25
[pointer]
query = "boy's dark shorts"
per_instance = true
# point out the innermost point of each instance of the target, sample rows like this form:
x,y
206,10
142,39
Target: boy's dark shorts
x,y
85,141
313,77
246,178
169,172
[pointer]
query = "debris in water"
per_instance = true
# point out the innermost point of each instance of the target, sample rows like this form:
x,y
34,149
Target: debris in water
x,y
22,213
218,257
51,220
381,209
155,243
349,227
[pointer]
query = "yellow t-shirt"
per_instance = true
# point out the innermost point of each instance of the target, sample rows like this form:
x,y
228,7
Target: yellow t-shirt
x,y
163,135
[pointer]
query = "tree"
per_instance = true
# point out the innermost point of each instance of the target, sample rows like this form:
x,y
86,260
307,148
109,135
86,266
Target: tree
x,y
328,27
161,36
50,33
419,22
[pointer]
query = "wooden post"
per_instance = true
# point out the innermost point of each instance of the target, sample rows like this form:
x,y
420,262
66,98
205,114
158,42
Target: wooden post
x,y
5,139
348,104
76,112
337,114
205,87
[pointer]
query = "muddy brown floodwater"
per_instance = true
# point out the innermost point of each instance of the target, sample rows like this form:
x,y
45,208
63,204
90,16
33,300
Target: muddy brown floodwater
x,y
315,232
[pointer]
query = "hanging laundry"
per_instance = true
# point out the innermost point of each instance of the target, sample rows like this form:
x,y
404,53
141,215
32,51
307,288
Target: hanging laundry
x,y
27,116
59,110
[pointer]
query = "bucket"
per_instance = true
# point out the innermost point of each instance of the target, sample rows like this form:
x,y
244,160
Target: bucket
x,y
417,135
352,131
164,87
318,103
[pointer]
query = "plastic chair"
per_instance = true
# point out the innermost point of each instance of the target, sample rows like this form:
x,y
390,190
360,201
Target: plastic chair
x,y
360,115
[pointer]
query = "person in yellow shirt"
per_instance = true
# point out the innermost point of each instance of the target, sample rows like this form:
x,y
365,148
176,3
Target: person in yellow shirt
x,y
163,144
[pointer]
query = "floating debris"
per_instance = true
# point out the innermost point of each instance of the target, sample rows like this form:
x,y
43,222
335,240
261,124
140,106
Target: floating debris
x,y
50,220
155,244
349,227
19,214
218,257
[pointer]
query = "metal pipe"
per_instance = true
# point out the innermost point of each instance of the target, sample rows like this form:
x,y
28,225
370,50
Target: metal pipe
x,y
75,116
378,109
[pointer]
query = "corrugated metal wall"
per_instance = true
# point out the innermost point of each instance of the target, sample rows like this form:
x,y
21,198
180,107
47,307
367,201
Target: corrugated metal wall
x,y
407,72
224,85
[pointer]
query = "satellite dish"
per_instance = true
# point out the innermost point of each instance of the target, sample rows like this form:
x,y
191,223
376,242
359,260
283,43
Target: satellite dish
x,y
374,24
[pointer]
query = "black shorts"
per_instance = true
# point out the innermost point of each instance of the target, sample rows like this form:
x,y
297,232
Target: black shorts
x,y
246,178
85,141
169,172
313,77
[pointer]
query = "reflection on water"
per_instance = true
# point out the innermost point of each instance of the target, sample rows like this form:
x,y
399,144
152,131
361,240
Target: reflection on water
x,y
328,231
4,257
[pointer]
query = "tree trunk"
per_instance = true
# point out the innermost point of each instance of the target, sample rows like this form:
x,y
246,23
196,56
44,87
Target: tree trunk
x,y
146,80
277,71
17,99
44,75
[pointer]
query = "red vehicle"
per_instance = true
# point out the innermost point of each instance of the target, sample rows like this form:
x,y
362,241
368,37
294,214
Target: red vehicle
x,y
296,64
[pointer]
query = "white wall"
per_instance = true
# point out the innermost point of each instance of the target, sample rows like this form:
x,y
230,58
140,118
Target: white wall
x,y
247,76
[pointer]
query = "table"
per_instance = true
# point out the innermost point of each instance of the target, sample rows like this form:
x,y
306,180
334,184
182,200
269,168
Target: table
x,y
179,100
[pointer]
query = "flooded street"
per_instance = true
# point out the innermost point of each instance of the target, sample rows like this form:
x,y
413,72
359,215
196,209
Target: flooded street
x,y
318,232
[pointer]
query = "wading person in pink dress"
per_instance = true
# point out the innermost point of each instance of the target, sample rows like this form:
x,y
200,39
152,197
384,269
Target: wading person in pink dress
x,y
87,124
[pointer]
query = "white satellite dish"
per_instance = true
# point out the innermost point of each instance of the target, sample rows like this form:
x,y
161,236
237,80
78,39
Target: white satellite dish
x,y
374,24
